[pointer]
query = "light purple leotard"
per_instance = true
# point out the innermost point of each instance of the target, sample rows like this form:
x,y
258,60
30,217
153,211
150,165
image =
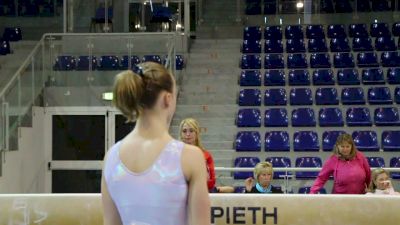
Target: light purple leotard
x,y
156,196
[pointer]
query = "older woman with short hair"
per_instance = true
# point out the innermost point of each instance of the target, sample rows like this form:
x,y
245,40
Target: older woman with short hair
x,y
261,183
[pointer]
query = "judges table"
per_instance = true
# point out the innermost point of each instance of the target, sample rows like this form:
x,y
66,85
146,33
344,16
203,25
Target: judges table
x,y
86,209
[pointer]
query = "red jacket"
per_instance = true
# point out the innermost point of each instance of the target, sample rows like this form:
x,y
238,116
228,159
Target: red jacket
x,y
210,170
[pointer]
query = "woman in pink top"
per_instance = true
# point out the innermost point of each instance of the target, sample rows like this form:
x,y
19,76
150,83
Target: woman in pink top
x,y
349,167
149,177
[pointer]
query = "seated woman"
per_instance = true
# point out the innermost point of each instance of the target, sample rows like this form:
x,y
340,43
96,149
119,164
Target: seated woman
x,y
190,134
381,184
263,174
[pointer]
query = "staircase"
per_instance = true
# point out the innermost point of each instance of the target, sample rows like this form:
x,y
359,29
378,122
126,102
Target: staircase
x,y
209,91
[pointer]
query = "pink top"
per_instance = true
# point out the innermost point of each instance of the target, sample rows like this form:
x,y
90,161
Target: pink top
x,y
156,196
350,177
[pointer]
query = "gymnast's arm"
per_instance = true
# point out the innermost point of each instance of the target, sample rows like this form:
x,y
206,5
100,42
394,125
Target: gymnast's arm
x,y
195,171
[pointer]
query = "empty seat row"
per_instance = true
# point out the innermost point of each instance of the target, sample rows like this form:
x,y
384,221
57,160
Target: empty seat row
x,y
369,76
28,8
308,141
320,60
5,47
319,45
108,62
323,96
318,31
327,117
302,162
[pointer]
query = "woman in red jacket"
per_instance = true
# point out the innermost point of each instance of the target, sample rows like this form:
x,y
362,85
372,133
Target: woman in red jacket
x,y
190,134
349,168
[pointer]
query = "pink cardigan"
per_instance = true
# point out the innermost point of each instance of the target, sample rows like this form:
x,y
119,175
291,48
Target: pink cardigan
x,y
350,177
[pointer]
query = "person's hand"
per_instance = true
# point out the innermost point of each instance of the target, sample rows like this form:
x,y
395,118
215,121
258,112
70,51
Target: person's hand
x,y
249,183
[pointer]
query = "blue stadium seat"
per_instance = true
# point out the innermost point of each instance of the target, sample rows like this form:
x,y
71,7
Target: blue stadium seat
x,y
358,30
152,58
386,116
363,6
86,63
64,63
251,62
376,162
352,96
326,6
252,33
385,44
246,162
250,78
326,96
303,117
274,61
380,5
379,95
295,45
239,189
250,97
396,29
273,46
5,47
317,45
248,141
273,32
367,59
358,116
329,139
330,117
391,140
362,44
276,117
269,8
277,141
108,62
397,95
308,162
395,163
306,190
274,78
12,34
390,59
275,96
339,45
320,60
253,8
134,60
343,6
366,140
251,46
305,141
301,96
379,30
299,77
179,62
348,77
280,162
323,77
298,60
248,118
294,32
393,75
336,31
373,76
315,31
343,60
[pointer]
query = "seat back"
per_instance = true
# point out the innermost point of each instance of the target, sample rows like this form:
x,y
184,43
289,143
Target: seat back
x,y
274,78
323,77
386,116
277,141
354,95
299,77
329,139
308,162
305,141
275,96
391,140
301,96
250,78
276,117
241,162
373,76
330,117
248,141
250,97
366,140
358,116
280,162
248,118
326,96
348,77
376,162
379,95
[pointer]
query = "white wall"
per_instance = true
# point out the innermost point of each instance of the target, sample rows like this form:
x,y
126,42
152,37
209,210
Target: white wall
x,y
24,170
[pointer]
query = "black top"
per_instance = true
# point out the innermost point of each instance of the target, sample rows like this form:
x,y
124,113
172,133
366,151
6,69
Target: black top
x,y
274,190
